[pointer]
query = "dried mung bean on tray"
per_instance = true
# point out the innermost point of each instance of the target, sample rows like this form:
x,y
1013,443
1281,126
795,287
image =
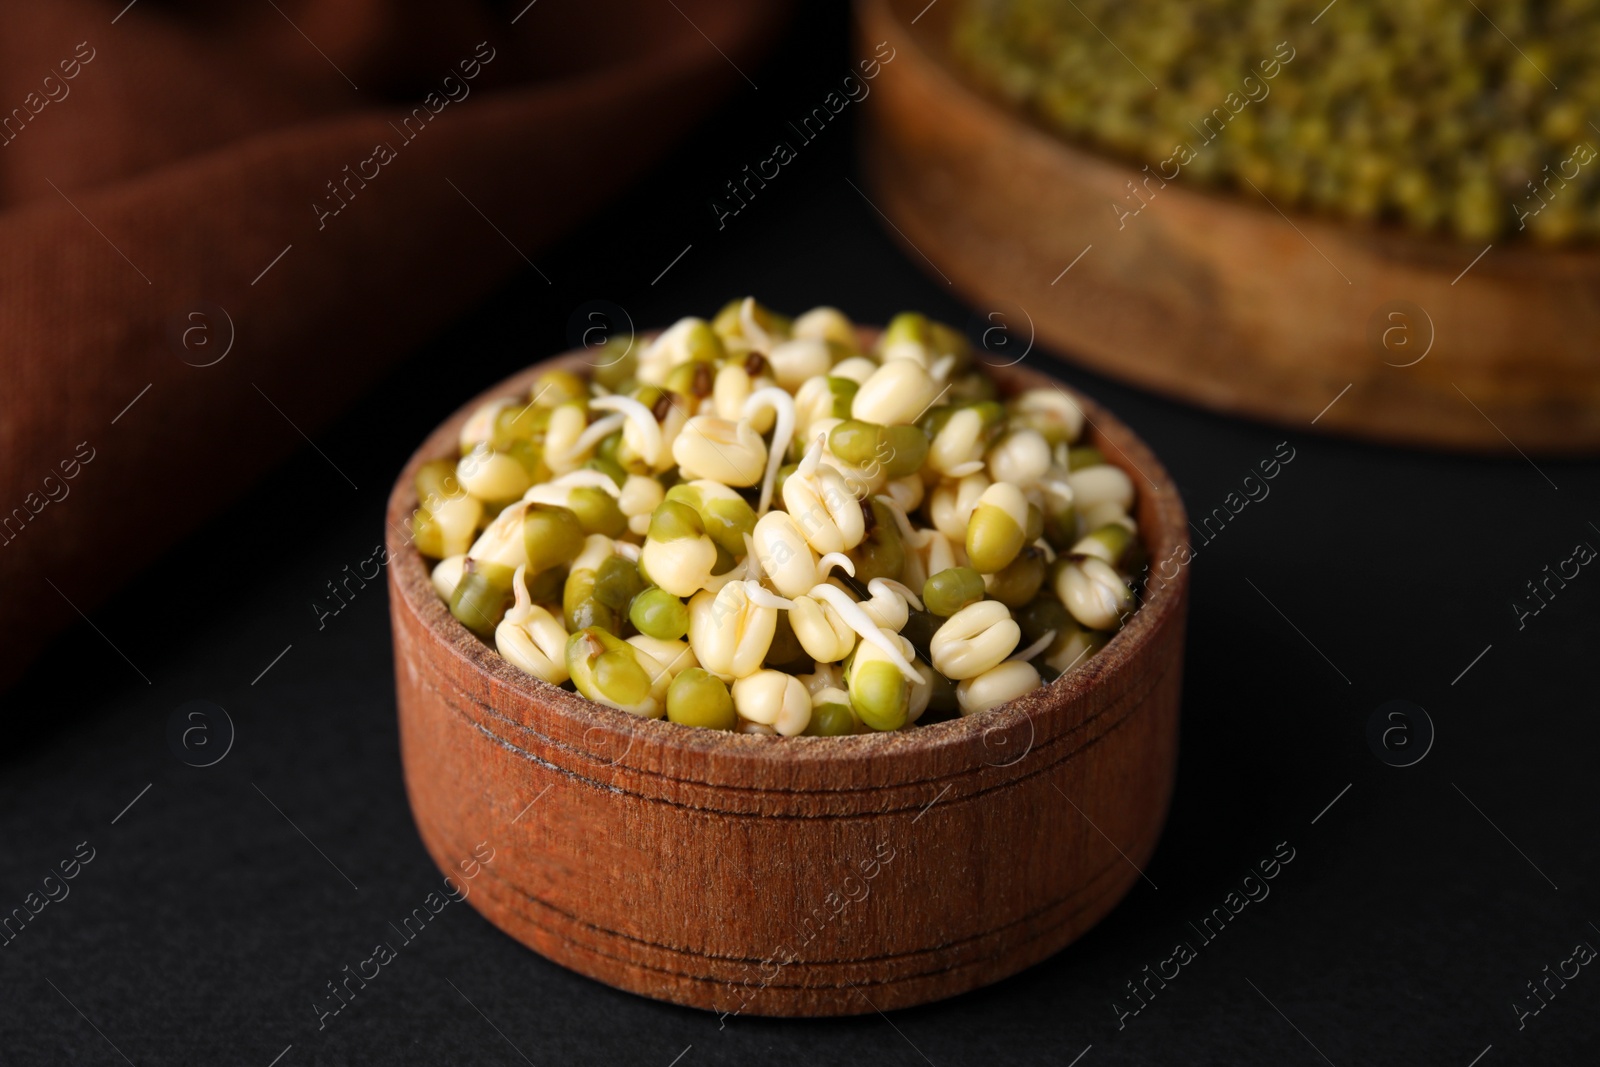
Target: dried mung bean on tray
x,y
755,524
1442,115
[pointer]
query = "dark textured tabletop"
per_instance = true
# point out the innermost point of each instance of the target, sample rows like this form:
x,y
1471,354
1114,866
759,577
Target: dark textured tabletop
x,y
1434,899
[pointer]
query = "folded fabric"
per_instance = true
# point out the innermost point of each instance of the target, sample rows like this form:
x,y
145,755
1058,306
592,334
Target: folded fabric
x,y
321,185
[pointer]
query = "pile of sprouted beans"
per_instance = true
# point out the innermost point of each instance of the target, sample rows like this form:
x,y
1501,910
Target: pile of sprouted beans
x,y
761,524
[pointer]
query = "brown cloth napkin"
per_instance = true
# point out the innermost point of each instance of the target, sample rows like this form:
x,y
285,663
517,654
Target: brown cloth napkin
x,y
327,182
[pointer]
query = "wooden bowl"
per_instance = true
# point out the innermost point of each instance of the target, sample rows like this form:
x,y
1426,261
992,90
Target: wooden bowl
x,y
1219,299
790,876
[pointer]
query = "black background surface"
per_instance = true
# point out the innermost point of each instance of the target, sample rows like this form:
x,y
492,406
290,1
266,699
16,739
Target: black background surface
x,y
1413,912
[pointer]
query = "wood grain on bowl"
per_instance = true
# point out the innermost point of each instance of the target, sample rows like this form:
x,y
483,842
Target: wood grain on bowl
x,y
792,876
1219,299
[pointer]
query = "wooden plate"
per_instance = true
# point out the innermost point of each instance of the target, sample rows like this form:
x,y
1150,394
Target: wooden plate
x,y
1221,300
790,876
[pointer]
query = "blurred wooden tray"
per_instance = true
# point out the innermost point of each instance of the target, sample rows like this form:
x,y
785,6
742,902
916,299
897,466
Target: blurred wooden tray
x,y
1218,299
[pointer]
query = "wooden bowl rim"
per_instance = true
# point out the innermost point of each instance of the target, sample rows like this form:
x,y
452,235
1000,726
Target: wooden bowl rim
x,y
1390,238
1125,652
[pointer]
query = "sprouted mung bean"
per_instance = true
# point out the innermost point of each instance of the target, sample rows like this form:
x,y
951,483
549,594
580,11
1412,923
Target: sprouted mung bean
x,y
1436,113
757,524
